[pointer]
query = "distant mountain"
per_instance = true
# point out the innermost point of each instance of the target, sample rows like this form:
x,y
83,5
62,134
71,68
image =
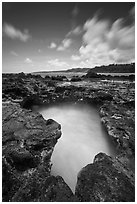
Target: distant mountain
x,y
115,68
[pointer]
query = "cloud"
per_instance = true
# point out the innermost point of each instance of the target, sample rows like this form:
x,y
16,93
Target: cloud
x,y
28,60
75,57
52,45
60,48
13,53
56,63
14,33
65,44
121,37
105,43
76,31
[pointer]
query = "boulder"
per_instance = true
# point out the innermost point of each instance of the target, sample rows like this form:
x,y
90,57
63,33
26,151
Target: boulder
x,y
28,140
106,180
120,125
28,143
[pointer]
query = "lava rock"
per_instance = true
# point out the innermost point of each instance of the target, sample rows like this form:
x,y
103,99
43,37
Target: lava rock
x,y
28,143
48,189
10,182
28,140
120,125
31,101
106,180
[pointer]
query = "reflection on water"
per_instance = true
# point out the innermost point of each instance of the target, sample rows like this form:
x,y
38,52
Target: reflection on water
x,y
82,138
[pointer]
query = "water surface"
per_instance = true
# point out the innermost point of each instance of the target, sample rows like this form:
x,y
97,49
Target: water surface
x,y
83,136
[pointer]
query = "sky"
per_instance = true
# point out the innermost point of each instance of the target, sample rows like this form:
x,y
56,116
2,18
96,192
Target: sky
x,y
45,36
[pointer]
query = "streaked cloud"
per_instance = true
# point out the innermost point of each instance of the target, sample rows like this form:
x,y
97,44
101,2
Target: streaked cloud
x,y
28,60
52,45
77,37
11,32
13,53
105,43
65,44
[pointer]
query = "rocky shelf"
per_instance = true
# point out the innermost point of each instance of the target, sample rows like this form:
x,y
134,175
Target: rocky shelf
x,y
28,140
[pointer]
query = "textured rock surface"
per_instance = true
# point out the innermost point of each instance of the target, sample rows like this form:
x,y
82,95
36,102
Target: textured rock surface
x,y
119,120
106,180
44,189
28,142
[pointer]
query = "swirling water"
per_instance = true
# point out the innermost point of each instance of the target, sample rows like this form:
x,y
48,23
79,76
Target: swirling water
x,y
83,137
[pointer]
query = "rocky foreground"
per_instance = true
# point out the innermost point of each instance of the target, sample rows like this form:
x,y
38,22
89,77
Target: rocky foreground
x,y
28,140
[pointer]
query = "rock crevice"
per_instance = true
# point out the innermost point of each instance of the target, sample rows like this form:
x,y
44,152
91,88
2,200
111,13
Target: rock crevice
x,y
28,140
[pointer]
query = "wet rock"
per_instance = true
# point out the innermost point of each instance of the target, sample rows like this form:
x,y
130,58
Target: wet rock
x,y
106,180
28,143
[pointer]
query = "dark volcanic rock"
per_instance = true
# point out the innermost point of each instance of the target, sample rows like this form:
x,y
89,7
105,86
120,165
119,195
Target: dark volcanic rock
x,y
29,102
75,78
106,180
102,96
28,142
10,182
119,120
91,74
47,189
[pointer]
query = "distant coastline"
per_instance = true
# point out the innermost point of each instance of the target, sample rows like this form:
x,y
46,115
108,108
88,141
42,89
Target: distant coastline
x,y
112,68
